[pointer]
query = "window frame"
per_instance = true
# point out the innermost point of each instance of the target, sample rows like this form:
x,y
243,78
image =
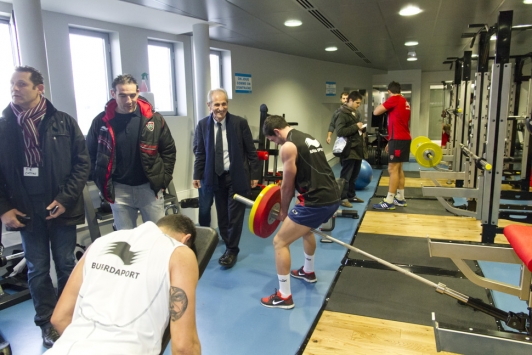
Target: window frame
x,y
106,40
7,21
220,62
107,44
171,47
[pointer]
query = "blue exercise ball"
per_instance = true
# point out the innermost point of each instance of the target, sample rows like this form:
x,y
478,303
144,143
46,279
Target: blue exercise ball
x,y
364,176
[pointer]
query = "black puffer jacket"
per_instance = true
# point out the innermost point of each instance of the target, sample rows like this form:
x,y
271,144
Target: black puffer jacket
x,y
156,146
66,164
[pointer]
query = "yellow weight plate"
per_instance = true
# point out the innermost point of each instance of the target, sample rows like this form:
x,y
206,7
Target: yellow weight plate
x,y
416,142
256,205
428,155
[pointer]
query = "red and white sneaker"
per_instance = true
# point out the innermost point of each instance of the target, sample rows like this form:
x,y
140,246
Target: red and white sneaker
x,y
276,301
307,276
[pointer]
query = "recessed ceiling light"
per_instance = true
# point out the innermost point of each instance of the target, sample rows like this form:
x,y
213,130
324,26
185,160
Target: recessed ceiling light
x,y
411,43
527,1
293,23
331,49
411,59
410,11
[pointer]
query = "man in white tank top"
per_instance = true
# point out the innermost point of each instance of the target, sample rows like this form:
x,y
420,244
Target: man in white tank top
x,y
126,288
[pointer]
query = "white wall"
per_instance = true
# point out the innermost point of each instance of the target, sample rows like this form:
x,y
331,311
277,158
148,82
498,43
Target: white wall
x,y
291,85
5,8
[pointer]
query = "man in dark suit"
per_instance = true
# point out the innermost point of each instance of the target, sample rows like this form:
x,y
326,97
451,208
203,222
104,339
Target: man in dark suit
x,y
226,162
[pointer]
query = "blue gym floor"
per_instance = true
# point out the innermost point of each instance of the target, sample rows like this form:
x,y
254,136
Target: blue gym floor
x,y
230,318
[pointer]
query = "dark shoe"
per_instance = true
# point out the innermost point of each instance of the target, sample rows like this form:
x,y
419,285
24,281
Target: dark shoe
x,y
355,200
223,257
229,261
276,301
300,274
49,336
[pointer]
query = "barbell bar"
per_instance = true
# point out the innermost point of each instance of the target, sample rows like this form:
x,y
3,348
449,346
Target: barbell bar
x,y
5,259
481,163
264,221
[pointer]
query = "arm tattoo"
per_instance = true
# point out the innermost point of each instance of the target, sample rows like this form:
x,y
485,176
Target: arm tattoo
x,y
178,303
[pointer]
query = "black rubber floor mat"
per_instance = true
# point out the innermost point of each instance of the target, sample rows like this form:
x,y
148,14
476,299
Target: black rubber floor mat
x,y
401,250
414,206
388,294
410,193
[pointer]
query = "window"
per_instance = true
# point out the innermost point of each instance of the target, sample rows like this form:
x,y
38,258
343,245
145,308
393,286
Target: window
x,y
7,64
216,69
162,74
91,67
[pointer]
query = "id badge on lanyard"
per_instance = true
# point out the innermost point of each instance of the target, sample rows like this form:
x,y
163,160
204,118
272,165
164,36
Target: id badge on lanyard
x,y
31,171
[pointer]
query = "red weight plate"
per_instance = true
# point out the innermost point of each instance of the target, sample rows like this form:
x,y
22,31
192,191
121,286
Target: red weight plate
x,y
264,223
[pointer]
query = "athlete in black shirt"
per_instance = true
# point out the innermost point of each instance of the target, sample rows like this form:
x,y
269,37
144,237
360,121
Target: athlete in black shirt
x,y
305,169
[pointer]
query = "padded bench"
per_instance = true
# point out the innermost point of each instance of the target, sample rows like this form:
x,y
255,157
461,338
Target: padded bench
x,y
520,238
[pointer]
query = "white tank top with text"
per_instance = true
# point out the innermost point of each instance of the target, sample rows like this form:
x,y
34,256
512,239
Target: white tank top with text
x,y
122,306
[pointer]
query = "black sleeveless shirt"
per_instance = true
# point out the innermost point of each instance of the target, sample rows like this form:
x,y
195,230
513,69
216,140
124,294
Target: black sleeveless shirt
x,y
314,178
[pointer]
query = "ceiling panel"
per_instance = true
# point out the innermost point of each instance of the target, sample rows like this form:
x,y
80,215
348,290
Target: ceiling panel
x,y
248,26
374,27
258,7
277,20
390,10
469,11
354,13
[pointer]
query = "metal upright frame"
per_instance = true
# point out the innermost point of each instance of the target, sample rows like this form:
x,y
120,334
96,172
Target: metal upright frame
x,y
477,138
498,113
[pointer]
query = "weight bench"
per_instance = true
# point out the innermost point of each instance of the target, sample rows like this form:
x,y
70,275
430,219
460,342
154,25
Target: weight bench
x,y
519,251
206,242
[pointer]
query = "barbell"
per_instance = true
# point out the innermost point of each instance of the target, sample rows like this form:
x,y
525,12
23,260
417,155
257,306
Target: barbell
x,y
427,153
5,259
263,222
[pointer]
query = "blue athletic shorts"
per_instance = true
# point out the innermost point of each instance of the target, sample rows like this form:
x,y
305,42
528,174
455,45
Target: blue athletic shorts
x,y
314,216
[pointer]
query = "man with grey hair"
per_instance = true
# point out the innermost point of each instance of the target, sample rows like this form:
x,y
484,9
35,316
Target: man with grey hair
x,y
132,155
226,163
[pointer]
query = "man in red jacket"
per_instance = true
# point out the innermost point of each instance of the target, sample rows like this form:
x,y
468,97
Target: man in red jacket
x,y
132,155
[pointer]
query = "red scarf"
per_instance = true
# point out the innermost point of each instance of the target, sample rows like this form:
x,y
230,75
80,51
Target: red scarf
x,y
29,122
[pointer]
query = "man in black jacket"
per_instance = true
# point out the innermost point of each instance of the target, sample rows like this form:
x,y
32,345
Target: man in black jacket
x,y
132,155
350,126
226,162
44,165
334,117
